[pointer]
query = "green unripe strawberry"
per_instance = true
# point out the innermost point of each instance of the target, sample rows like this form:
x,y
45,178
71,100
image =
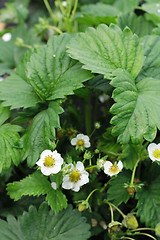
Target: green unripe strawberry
x,y
130,221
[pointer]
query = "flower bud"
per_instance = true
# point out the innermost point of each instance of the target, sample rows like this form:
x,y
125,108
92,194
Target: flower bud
x,y
114,227
82,207
131,190
157,229
60,133
130,221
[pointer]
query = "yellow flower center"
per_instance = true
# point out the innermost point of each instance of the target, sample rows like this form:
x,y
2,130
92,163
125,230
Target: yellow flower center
x,y
75,176
80,143
49,161
114,169
156,153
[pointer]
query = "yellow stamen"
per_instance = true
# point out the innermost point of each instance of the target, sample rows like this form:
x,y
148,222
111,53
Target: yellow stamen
x,y
114,169
156,153
75,176
49,161
80,143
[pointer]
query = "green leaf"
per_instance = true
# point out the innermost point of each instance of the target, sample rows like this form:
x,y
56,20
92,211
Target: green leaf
x,y
138,24
151,67
126,6
8,138
148,206
33,185
135,116
108,144
152,8
15,92
43,224
94,14
4,114
41,132
117,192
129,155
104,49
56,200
52,73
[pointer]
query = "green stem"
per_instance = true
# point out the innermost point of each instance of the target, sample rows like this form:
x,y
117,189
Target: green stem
x,y
61,8
146,234
133,173
141,229
49,9
91,194
111,209
93,166
74,9
88,114
54,28
123,215
126,238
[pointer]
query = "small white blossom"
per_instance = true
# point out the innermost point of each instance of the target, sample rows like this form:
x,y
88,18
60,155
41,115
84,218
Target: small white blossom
x,y
7,37
81,141
154,151
1,79
100,163
64,3
112,169
54,185
50,162
76,177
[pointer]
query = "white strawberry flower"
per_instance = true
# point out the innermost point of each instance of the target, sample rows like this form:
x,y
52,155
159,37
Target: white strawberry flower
x,y
154,151
100,163
81,141
7,37
112,169
50,162
76,177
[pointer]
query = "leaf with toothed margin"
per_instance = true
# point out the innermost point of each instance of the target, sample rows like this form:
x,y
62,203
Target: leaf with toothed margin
x,y
105,49
45,224
136,109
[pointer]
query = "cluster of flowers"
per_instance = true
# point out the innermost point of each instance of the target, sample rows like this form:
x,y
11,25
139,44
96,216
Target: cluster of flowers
x,y
74,176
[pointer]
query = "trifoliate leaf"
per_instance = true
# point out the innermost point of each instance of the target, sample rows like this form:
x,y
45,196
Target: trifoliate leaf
x,y
135,116
41,132
104,49
33,185
52,73
138,24
148,206
8,138
117,192
43,224
151,67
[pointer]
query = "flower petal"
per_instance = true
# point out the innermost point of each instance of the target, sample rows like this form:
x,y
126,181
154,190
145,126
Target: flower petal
x,y
120,165
55,169
45,153
80,136
107,166
74,141
76,187
87,144
40,163
54,185
67,185
46,171
79,166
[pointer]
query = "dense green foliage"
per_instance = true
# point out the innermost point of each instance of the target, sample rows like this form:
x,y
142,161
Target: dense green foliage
x,y
74,67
